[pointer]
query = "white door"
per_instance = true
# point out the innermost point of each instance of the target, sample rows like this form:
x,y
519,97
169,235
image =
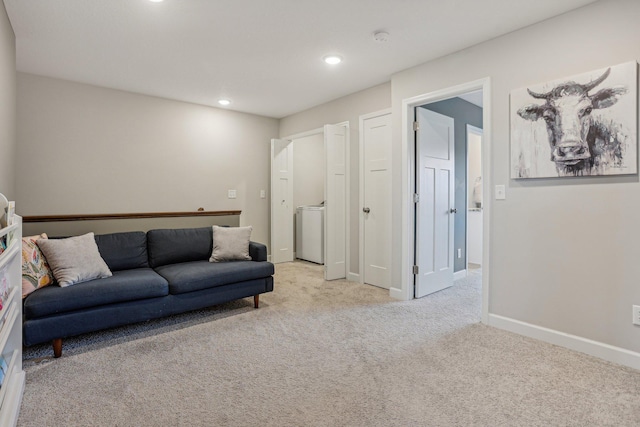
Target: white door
x,y
376,207
335,218
434,209
281,200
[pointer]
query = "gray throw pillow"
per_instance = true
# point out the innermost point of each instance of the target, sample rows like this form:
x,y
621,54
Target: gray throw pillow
x,y
230,243
75,259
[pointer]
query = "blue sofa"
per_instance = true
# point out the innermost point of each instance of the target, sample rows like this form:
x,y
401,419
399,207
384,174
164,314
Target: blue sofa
x,y
155,274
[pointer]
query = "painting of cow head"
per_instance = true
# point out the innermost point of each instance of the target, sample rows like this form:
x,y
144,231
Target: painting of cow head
x,y
584,133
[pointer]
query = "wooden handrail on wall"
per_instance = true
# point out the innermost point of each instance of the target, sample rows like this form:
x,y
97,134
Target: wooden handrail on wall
x,y
55,218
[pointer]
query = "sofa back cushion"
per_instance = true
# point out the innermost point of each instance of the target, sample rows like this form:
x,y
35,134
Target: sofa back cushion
x,y
176,245
123,251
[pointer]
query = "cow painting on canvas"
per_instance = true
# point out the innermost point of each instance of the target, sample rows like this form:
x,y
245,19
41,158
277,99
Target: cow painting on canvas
x,y
580,126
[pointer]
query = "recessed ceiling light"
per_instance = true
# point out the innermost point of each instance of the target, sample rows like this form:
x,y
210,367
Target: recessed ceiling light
x,y
156,1
332,59
224,102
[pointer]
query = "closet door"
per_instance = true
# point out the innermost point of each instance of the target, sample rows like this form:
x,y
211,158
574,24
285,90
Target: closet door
x,y
281,200
335,217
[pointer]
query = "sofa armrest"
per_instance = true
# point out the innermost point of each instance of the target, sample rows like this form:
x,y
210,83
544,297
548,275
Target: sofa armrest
x,y
257,251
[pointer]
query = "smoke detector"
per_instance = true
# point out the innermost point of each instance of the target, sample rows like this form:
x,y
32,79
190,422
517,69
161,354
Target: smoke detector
x,y
381,36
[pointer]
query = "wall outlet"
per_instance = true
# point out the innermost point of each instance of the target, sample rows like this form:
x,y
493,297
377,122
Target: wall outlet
x,y
636,314
263,194
459,253
232,194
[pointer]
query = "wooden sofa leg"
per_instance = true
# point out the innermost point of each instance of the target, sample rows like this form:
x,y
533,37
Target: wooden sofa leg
x,y
256,301
57,347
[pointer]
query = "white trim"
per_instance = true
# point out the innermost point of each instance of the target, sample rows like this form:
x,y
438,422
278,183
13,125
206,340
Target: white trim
x,y
397,293
460,274
407,166
361,185
583,345
353,277
347,202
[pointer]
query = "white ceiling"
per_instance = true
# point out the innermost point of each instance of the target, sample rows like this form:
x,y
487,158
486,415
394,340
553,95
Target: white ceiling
x,y
264,55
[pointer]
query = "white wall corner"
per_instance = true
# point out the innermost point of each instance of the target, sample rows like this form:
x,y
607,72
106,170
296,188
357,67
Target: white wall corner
x,y
583,345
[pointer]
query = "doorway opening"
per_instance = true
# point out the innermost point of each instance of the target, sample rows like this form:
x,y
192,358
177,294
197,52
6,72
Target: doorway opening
x,y
422,165
317,178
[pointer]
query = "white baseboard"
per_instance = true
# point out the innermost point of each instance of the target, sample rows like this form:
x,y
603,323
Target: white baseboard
x,y
460,274
396,293
573,342
353,277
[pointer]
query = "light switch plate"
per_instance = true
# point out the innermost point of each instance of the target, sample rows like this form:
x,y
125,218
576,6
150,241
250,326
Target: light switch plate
x,y
232,194
263,194
501,192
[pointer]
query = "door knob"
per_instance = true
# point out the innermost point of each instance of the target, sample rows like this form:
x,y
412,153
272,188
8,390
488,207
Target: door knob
x,y
454,210
366,210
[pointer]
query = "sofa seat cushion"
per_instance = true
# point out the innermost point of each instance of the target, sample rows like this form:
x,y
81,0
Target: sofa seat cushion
x,y
126,285
197,275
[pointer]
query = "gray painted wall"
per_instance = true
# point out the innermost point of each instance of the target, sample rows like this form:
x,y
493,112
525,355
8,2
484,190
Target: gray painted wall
x,y
86,149
463,113
8,138
564,252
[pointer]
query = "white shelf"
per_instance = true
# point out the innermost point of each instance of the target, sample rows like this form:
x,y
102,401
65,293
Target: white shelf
x,y
7,326
8,304
12,387
11,391
9,253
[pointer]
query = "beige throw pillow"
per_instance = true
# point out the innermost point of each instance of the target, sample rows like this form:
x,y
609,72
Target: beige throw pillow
x,y
75,259
230,243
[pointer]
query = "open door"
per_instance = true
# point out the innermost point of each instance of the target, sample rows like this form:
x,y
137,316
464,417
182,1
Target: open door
x,y
434,209
281,200
335,189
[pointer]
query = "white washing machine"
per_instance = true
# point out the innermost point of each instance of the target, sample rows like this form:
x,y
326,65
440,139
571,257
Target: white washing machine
x,y
310,233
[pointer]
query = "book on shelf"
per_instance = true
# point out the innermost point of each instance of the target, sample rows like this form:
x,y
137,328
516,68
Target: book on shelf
x,y
4,368
3,210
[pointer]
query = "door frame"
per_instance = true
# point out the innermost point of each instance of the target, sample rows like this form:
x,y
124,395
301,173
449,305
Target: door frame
x,y
361,165
478,131
347,204
320,131
406,291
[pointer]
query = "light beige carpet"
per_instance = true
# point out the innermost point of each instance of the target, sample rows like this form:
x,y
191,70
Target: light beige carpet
x,y
326,354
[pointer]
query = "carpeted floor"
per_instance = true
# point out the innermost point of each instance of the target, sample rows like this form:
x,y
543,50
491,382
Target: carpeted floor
x,y
325,354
